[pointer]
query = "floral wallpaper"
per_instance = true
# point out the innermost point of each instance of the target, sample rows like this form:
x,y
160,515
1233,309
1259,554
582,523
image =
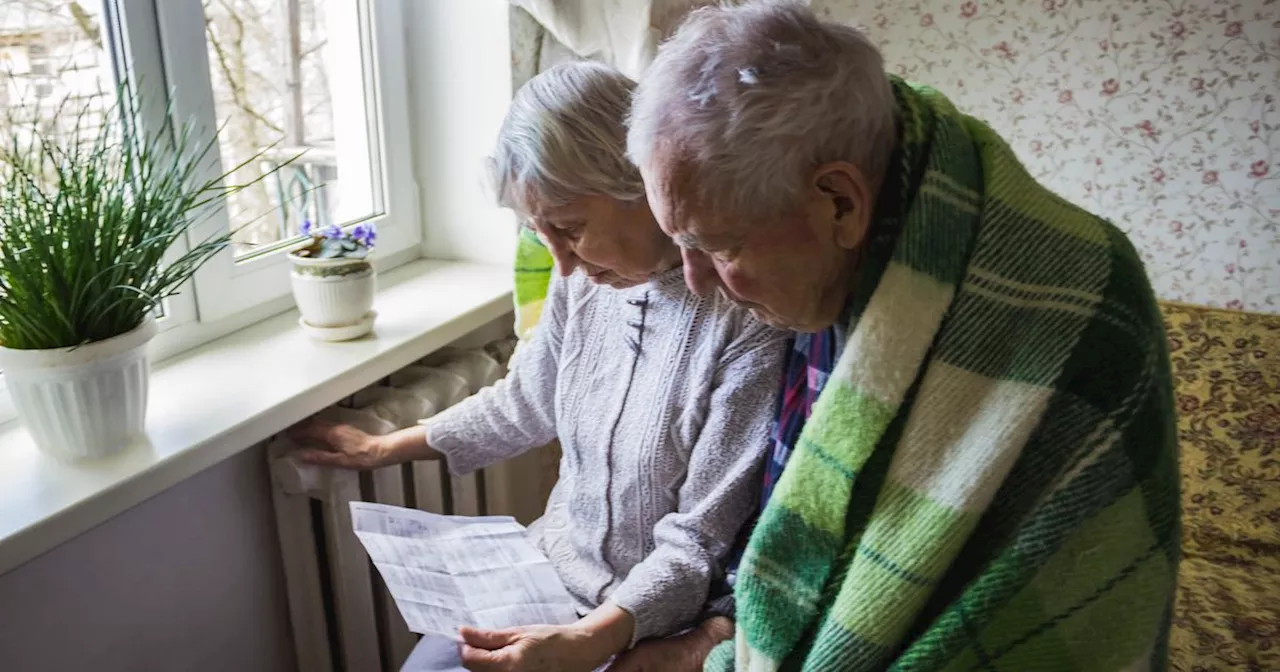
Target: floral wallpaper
x,y
1161,115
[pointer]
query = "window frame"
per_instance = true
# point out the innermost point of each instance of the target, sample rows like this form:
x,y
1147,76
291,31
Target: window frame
x,y
134,42
225,286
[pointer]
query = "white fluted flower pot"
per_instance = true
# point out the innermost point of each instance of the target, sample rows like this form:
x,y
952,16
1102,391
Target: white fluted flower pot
x,y
335,296
84,402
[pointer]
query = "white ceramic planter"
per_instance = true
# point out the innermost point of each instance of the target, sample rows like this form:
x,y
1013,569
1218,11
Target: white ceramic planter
x,y
84,402
334,294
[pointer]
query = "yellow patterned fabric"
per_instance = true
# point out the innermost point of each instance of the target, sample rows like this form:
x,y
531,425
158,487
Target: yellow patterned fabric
x,y
1226,368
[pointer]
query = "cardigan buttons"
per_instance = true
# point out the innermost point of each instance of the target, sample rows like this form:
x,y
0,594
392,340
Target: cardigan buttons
x,y
634,341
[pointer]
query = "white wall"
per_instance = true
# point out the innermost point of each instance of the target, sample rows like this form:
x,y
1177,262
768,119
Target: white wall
x,y
459,63
189,580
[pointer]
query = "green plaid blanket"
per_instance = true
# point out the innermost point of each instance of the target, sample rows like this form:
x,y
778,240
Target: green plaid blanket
x,y
989,479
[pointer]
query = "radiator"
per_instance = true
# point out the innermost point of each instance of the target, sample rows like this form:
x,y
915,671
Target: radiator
x,y
341,615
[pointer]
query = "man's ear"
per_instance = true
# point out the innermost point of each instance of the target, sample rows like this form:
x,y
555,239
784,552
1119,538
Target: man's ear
x,y
851,201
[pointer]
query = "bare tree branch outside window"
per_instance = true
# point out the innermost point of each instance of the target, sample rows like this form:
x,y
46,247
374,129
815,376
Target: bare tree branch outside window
x,y
51,57
270,86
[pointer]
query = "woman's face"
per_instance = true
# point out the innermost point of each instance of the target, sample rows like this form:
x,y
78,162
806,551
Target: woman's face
x,y
615,243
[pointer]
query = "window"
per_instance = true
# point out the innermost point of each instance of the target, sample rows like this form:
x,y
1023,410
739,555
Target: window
x,y
44,52
316,86
39,69
38,60
278,68
320,83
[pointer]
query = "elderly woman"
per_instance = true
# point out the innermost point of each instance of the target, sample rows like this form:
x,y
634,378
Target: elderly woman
x,y
982,470
661,399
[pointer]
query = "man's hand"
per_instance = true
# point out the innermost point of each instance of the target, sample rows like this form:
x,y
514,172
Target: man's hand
x,y
534,648
682,653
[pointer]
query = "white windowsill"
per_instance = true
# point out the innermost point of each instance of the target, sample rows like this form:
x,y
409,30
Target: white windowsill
x,y
233,393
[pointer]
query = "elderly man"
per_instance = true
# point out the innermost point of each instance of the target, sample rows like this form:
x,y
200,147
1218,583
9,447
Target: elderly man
x,y
978,418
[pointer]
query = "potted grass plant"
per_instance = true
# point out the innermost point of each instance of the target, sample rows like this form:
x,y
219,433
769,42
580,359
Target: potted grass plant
x,y
87,217
333,281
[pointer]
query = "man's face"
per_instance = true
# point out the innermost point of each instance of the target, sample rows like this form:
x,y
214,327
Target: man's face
x,y
785,271
794,272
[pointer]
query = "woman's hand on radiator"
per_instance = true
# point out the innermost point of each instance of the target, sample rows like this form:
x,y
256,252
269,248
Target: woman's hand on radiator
x,y
347,447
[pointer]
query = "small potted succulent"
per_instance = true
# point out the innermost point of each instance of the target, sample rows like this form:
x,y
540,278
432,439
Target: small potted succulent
x,y
334,282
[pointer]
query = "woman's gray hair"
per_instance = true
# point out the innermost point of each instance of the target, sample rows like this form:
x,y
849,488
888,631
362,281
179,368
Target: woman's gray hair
x,y
743,102
565,137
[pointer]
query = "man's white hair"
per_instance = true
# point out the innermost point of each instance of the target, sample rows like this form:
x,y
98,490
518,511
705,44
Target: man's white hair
x,y
564,137
743,102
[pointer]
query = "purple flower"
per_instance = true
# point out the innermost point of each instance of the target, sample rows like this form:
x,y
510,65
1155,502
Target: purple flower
x,y
365,234
306,228
332,232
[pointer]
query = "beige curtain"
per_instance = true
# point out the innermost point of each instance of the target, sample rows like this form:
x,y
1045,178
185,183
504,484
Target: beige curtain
x,y
622,33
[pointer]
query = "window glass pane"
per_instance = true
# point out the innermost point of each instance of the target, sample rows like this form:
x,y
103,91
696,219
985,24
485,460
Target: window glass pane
x,y
55,70
288,80
53,56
